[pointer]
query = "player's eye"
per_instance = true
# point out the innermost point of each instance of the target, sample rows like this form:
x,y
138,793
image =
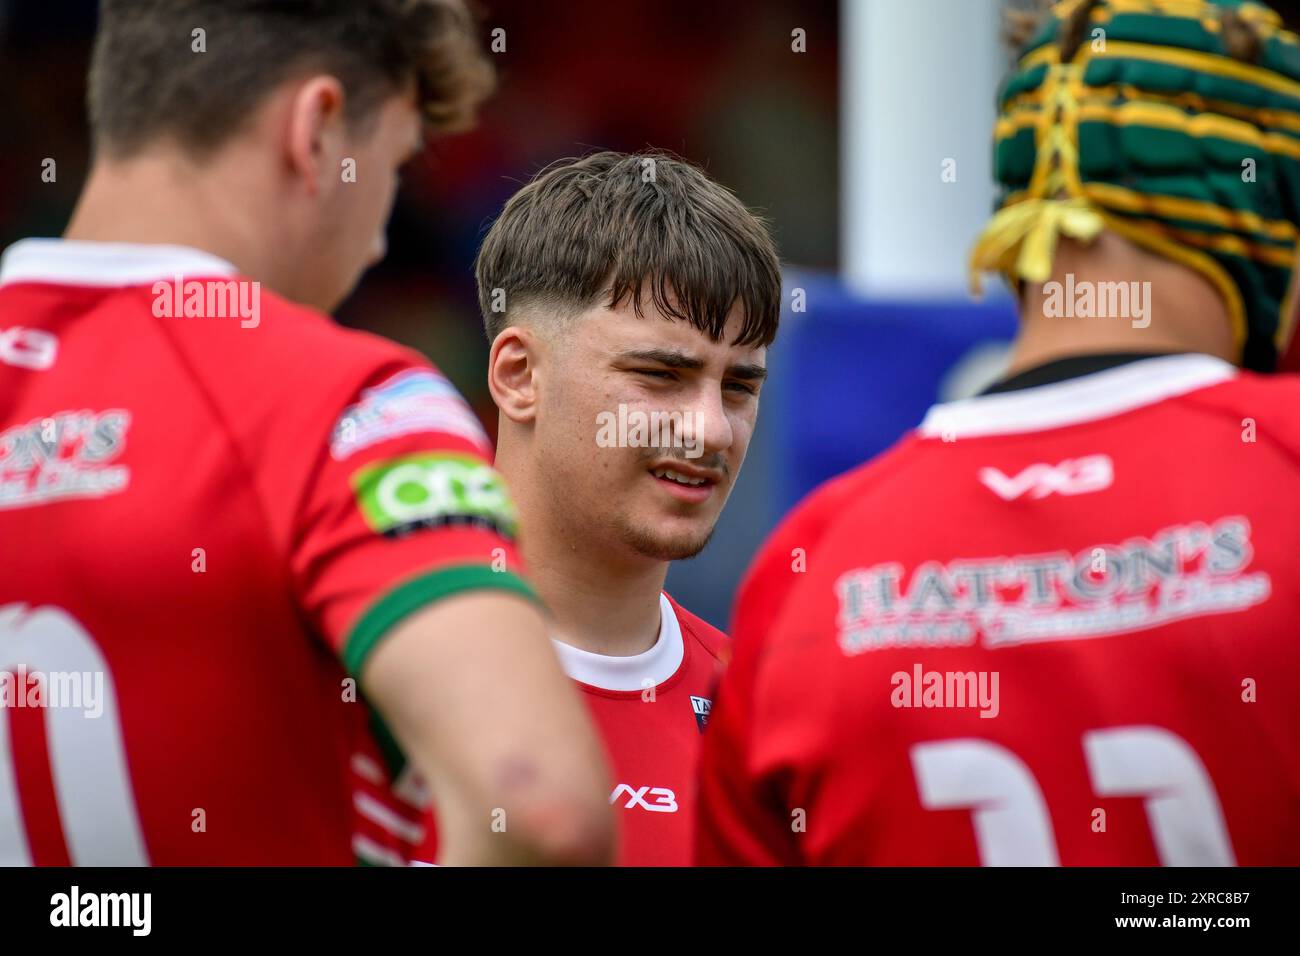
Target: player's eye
x,y
655,373
745,388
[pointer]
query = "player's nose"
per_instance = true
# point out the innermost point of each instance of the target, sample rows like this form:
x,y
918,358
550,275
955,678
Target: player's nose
x,y
711,424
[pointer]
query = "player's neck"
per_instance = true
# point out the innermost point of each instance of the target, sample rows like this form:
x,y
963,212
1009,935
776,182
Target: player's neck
x,y
1114,297
615,613
602,603
161,199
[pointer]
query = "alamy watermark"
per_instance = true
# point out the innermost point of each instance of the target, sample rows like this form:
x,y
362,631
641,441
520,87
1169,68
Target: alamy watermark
x,y
209,299
133,911
1100,300
633,428
960,689
72,690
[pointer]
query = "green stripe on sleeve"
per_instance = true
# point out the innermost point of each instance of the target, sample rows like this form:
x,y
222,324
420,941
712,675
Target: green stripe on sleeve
x,y
405,599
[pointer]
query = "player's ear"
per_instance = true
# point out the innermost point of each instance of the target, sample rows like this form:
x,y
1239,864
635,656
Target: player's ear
x,y
512,374
316,132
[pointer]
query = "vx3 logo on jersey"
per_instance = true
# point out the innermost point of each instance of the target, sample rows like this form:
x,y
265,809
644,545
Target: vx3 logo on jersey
x,y
1074,476
665,801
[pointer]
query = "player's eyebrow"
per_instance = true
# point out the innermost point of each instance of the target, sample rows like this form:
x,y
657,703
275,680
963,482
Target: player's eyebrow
x,y
746,371
669,357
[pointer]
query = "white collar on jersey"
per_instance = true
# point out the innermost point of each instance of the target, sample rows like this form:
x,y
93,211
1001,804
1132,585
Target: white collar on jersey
x,y
104,264
1083,399
647,669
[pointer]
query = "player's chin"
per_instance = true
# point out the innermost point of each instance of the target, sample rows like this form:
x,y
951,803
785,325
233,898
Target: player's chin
x,y
671,539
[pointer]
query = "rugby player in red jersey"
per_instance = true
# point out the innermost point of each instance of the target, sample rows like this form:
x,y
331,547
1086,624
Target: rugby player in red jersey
x,y
223,515
1057,623
630,301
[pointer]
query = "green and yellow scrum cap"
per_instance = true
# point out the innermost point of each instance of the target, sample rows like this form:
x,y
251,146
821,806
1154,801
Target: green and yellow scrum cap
x,y
1157,126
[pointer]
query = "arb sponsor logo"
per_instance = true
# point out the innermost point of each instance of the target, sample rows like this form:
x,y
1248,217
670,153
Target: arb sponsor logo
x,y
429,490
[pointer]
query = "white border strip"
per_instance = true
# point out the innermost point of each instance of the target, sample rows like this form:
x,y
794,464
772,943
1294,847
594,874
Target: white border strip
x,y
104,264
649,669
1082,399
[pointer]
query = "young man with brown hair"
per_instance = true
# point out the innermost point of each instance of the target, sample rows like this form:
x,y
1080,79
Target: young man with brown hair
x,y
234,511
1057,623
630,301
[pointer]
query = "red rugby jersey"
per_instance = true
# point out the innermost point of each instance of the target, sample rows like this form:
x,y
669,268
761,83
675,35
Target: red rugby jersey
x,y
651,710
1054,625
213,505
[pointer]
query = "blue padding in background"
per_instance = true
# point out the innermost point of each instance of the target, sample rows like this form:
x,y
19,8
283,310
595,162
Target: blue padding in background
x,y
857,374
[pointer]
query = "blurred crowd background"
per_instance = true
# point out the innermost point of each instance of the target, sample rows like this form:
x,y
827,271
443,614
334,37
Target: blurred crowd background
x,y
718,83
711,81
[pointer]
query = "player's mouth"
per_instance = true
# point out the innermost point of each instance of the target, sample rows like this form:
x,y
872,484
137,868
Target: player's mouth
x,y
685,482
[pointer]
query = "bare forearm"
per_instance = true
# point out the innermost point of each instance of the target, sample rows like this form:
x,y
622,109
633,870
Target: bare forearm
x,y
472,691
